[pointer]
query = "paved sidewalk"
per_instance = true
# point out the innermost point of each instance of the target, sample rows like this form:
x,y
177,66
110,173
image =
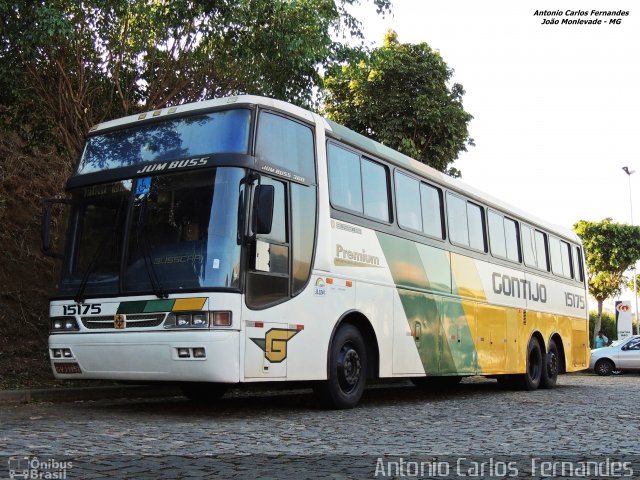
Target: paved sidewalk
x,y
70,394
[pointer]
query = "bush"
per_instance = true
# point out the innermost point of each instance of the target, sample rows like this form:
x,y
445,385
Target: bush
x,y
608,326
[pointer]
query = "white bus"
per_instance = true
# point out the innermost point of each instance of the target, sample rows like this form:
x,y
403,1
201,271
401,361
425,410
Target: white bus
x,y
245,240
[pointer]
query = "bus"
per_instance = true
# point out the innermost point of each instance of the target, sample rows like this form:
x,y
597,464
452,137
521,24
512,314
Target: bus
x,y
245,239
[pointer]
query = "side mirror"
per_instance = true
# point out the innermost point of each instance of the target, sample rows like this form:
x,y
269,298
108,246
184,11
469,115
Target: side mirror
x,y
263,200
47,204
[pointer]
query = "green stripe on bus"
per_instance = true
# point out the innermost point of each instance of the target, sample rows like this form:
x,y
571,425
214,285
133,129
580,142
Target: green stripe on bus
x,y
444,340
153,306
132,307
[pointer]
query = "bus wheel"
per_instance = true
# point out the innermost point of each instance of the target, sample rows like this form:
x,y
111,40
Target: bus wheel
x,y
551,366
347,370
203,392
533,376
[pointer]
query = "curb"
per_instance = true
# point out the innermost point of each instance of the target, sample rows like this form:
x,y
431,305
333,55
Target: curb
x,y
87,393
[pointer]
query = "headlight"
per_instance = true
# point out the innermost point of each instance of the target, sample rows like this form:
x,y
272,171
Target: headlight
x,y
187,320
183,320
64,324
198,319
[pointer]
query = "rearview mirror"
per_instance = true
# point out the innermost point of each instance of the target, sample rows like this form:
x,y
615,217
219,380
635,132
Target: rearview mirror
x,y
47,205
263,200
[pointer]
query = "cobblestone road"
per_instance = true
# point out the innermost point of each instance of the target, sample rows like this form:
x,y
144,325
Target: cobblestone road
x,y
286,435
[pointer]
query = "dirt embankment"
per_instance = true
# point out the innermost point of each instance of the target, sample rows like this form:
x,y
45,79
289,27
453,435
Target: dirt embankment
x,y
27,278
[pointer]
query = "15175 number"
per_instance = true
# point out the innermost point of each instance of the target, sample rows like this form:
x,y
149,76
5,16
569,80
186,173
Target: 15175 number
x,y
82,309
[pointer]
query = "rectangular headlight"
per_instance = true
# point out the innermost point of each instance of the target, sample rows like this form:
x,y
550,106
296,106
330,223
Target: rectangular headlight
x,y
64,324
183,320
200,319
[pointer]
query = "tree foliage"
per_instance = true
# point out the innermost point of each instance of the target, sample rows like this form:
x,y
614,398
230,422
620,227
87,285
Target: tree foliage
x,y
610,250
400,95
66,65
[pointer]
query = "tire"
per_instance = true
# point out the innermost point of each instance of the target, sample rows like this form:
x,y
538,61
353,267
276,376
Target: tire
x,y
530,380
203,392
604,367
347,370
551,366
431,382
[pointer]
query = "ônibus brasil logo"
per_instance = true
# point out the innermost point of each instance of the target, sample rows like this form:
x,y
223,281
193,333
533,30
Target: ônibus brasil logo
x,y
35,468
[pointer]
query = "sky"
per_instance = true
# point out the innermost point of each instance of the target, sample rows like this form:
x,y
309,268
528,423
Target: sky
x,y
556,107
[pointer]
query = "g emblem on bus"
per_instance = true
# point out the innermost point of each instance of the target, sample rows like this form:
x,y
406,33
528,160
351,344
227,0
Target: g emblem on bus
x,y
119,322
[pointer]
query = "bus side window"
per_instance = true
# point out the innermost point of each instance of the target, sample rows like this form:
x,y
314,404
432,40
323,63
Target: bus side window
x,y
475,220
375,191
408,202
511,237
303,223
496,235
528,247
345,184
269,287
560,259
541,250
431,200
287,144
577,264
457,220
565,254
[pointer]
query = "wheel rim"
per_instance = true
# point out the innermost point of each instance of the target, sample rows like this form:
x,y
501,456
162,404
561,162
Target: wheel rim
x,y
349,368
604,368
534,364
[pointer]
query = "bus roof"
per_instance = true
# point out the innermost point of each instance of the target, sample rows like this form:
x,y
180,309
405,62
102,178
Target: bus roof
x,y
352,138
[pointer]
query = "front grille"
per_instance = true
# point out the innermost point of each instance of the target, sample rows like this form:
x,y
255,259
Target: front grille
x,y
138,320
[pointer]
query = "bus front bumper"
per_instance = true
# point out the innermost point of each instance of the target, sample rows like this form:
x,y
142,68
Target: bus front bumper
x,y
189,356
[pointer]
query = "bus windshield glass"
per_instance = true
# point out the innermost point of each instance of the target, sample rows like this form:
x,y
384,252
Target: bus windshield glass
x,y
217,132
159,233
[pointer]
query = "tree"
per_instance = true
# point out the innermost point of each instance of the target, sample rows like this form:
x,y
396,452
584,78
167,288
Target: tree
x,y
66,65
400,95
610,249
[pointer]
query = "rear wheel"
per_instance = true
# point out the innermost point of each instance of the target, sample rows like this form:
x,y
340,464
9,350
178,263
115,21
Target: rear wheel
x,y
347,369
551,366
530,380
203,392
604,367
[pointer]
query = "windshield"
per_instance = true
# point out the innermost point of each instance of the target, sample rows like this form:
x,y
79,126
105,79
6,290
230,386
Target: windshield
x,y
218,132
98,223
180,231
615,343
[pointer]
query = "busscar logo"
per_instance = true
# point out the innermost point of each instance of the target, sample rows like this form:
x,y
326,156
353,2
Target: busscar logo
x,y
274,343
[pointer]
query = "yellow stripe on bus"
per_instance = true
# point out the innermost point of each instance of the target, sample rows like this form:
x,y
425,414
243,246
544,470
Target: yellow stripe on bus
x,y
189,304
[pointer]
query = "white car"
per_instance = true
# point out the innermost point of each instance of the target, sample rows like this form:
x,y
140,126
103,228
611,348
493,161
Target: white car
x,y
620,355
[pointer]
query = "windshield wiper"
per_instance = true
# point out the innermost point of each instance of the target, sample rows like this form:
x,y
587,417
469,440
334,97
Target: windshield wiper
x,y
79,296
143,245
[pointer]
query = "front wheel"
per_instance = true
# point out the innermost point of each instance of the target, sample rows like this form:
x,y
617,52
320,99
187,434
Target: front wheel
x,y
347,370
